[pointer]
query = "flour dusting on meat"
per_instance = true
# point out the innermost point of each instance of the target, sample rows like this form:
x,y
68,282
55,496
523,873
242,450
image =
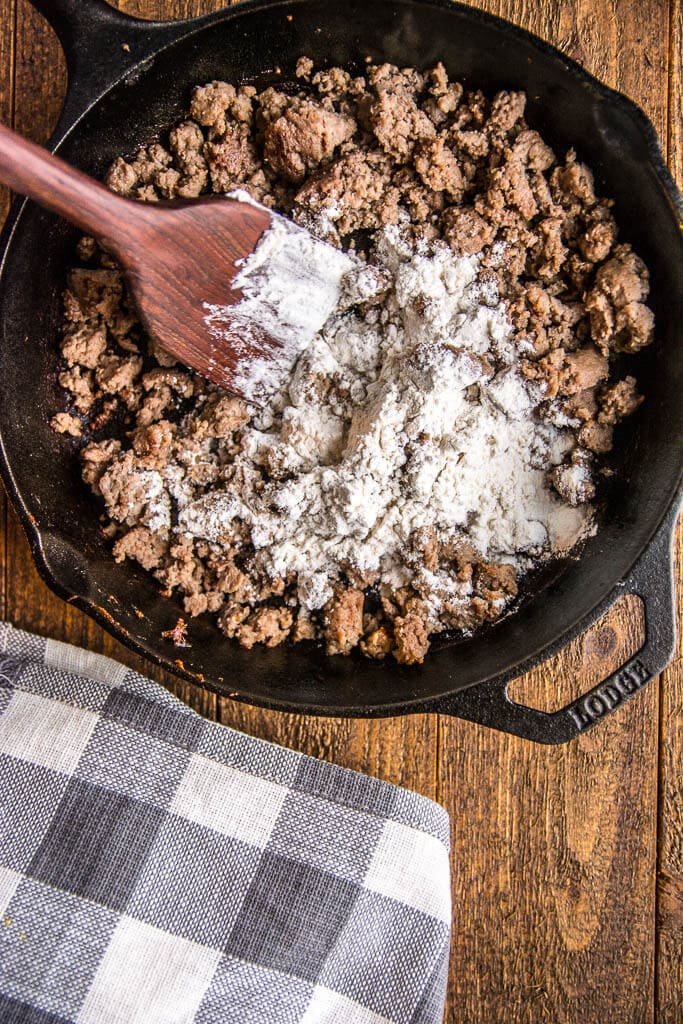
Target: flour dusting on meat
x,y
442,433
411,414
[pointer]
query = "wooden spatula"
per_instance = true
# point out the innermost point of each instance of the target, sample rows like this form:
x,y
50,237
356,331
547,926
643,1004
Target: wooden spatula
x,y
180,259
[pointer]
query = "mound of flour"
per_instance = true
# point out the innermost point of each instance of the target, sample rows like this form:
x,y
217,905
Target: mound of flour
x,y
408,410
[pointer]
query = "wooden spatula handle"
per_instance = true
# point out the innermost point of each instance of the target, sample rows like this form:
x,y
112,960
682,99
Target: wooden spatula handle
x,y
32,171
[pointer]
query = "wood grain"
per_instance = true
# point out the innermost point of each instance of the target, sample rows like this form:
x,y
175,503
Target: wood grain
x,y
555,849
164,10
556,903
669,950
553,874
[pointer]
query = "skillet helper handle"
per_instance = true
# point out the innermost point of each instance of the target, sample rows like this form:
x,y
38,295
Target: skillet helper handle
x,y
651,580
33,171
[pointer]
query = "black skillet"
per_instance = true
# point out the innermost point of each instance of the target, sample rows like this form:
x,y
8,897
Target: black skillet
x,y
127,80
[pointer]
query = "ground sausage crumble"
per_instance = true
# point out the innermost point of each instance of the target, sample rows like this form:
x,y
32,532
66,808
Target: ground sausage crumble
x,y
345,156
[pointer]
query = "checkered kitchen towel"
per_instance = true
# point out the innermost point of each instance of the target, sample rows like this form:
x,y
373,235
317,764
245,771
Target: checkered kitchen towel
x,y
158,868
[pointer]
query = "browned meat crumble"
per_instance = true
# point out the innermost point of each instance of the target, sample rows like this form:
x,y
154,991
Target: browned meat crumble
x,y
468,170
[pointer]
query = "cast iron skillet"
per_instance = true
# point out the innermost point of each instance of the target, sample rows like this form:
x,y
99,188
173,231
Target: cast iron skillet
x,y
128,79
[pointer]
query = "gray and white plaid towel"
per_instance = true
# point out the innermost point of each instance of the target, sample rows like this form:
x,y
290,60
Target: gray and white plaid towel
x,y
157,868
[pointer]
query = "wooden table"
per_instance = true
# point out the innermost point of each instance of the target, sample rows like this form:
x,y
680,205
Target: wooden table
x,y
567,862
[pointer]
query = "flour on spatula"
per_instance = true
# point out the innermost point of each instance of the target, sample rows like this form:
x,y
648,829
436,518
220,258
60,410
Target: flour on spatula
x,y
407,410
290,284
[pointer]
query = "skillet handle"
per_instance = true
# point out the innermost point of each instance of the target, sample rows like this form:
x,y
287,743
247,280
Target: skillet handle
x,y
652,580
100,45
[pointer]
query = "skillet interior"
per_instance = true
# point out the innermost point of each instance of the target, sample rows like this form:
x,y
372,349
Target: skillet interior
x,y
248,43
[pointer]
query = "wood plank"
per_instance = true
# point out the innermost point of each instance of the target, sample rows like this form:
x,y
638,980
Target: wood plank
x,y
670,860
553,865
669,951
554,848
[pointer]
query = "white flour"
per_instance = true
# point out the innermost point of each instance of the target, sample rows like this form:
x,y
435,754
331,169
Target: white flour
x,y
406,412
290,285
